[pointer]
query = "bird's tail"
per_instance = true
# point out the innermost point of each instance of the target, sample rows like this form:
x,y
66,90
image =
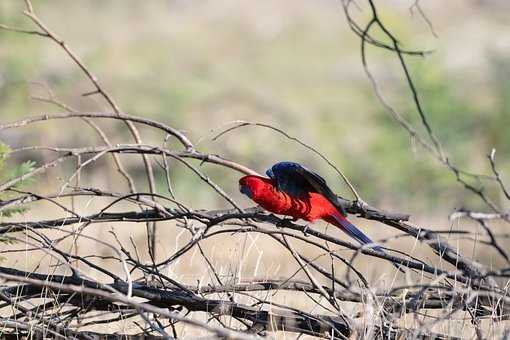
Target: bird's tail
x,y
351,230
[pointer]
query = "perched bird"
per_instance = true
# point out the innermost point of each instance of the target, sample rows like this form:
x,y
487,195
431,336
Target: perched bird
x,y
296,191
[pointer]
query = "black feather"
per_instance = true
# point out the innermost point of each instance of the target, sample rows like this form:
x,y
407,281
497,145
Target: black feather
x,y
298,181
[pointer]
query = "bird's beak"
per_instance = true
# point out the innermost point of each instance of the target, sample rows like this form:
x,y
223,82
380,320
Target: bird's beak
x,y
245,190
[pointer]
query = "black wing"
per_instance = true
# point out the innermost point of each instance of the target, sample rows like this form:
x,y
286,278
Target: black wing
x,y
296,180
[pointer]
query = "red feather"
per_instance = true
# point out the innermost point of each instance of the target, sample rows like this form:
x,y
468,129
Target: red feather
x,y
310,207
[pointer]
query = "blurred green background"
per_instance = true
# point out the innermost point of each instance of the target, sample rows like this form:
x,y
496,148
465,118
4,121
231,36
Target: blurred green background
x,y
198,65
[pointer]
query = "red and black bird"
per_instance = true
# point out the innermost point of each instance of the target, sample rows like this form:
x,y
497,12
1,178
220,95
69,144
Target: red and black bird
x,y
293,190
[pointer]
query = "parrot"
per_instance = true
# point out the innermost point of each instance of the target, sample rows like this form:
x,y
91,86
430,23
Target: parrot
x,y
293,190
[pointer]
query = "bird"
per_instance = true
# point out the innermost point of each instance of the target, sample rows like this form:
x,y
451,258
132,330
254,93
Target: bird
x,y
293,190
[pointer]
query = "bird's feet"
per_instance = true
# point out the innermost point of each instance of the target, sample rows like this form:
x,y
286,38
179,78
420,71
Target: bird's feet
x,y
305,229
281,224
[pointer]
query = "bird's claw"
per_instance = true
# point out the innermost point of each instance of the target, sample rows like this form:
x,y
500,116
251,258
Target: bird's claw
x,y
304,230
281,224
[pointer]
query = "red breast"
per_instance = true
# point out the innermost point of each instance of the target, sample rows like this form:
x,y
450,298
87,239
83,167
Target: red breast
x,y
263,191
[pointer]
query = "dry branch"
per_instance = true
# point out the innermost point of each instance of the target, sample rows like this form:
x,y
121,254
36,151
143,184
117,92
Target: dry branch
x,y
45,304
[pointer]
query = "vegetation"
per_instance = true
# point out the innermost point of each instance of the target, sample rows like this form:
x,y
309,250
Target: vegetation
x,y
302,74
8,173
143,117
